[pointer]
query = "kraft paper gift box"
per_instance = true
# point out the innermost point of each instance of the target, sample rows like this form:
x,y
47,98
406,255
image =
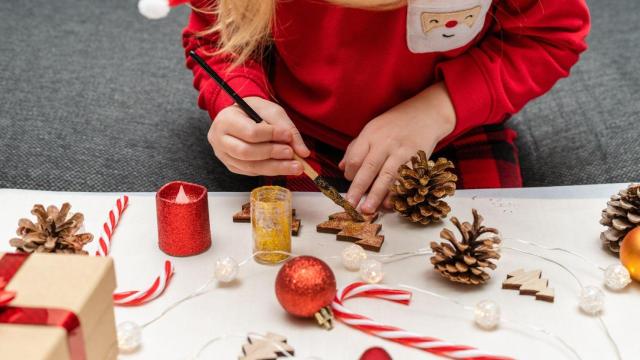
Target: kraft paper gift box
x,y
52,284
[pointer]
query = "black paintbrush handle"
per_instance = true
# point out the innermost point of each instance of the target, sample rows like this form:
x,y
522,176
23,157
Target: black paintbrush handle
x,y
228,89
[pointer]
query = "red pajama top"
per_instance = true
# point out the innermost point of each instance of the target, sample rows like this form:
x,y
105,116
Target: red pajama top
x,y
336,68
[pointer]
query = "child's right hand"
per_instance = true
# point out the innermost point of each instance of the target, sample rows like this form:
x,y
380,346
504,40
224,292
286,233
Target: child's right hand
x,y
257,149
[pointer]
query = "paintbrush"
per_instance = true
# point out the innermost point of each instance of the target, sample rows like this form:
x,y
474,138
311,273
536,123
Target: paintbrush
x,y
322,184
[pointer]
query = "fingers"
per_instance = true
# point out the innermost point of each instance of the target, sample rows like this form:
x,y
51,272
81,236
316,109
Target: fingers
x,y
380,189
364,177
270,167
241,150
388,203
354,157
283,128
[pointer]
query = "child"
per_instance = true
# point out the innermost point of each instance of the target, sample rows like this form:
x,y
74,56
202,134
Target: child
x,y
359,86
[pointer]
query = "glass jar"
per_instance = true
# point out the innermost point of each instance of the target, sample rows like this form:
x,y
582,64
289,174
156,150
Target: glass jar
x,y
271,223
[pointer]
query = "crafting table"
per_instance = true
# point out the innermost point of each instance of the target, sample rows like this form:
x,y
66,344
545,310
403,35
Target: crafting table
x,y
558,216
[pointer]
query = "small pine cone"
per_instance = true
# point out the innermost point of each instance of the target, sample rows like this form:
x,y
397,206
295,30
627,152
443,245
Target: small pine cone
x,y
53,232
621,216
418,190
466,261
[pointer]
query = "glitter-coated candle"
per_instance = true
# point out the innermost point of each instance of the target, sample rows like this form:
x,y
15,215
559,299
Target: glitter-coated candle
x,y
271,222
183,219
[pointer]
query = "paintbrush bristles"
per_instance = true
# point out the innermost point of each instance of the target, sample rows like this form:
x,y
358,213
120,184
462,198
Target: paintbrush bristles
x,y
333,194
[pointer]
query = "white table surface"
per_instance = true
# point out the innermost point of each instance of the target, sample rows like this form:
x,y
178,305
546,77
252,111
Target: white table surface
x,y
560,216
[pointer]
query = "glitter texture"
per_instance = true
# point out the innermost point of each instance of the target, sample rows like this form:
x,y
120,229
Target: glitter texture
x,y
271,222
333,194
183,229
305,285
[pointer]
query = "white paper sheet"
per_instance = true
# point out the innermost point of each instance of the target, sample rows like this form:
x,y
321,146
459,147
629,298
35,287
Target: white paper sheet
x,y
562,216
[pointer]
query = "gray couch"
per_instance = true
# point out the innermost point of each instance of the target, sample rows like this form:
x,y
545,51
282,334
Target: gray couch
x,y
96,98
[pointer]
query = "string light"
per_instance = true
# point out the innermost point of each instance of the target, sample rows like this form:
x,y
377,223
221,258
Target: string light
x,y
226,269
591,299
371,271
616,276
487,315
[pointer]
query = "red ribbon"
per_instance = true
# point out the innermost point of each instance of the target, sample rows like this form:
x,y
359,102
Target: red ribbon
x,y
68,320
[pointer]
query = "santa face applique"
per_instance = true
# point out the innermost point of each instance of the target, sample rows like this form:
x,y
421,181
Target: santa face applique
x,y
444,25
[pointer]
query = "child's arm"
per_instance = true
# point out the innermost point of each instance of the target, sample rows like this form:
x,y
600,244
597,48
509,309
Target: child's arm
x,y
532,44
243,146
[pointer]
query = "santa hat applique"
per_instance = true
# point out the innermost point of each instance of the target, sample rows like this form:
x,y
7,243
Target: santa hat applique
x,y
157,9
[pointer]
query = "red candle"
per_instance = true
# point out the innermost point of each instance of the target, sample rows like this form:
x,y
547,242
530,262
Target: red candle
x,y
183,219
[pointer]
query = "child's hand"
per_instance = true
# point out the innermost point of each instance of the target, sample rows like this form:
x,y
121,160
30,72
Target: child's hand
x,y
257,149
390,140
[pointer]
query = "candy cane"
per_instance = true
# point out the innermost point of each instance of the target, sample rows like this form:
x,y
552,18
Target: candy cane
x,y
131,297
139,297
392,333
109,226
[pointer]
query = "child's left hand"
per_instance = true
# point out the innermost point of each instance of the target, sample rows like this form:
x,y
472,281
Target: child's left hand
x,y
390,140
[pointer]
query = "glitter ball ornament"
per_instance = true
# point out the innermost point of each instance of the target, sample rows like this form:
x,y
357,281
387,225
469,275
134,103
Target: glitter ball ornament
x,y
353,256
304,285
371,271
226,269
630,253
129,336
616,277
591,300
487,314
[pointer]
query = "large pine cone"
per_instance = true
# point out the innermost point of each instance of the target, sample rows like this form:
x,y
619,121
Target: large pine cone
x,y
621,215
52,233
465,261
418,191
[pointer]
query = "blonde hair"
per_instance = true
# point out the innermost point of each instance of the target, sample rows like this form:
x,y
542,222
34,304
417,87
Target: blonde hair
x,y
244,26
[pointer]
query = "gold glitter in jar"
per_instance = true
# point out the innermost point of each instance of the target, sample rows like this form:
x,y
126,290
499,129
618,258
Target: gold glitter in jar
x,y
271,222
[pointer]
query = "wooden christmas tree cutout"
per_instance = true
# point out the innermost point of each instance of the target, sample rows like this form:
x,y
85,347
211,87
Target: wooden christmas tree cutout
x,y
268,347
364,233
529,283
244,216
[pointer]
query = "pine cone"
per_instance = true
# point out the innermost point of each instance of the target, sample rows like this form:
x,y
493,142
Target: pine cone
x,y
52,233
621,215
418,190
466,260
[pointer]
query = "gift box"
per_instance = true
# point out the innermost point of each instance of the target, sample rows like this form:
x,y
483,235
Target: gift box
x,y
62,309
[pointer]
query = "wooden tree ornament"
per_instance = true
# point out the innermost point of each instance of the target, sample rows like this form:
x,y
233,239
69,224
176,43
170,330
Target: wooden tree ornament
x,y
268,347
529,283
364,233
244,216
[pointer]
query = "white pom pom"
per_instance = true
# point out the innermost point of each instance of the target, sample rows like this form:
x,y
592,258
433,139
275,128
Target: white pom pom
x,y
154,9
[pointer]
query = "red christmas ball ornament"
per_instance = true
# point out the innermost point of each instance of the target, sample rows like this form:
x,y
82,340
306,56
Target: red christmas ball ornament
x,y
375,353
304,285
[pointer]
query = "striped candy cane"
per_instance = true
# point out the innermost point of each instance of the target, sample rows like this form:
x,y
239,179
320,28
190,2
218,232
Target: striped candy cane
x,y
392,333
132,297
139,297
109,226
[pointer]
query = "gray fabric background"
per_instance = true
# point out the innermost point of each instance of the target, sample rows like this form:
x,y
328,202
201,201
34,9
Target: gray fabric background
x,y
96,98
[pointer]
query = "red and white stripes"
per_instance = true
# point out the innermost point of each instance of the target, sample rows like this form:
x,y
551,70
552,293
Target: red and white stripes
x,y
109,226
392,333
139,297
131,297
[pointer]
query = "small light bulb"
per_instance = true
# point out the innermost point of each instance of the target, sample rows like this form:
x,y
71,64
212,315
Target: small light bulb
x,y
371,271
617,277
129,336
591,300
353,256
487,314
226,269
